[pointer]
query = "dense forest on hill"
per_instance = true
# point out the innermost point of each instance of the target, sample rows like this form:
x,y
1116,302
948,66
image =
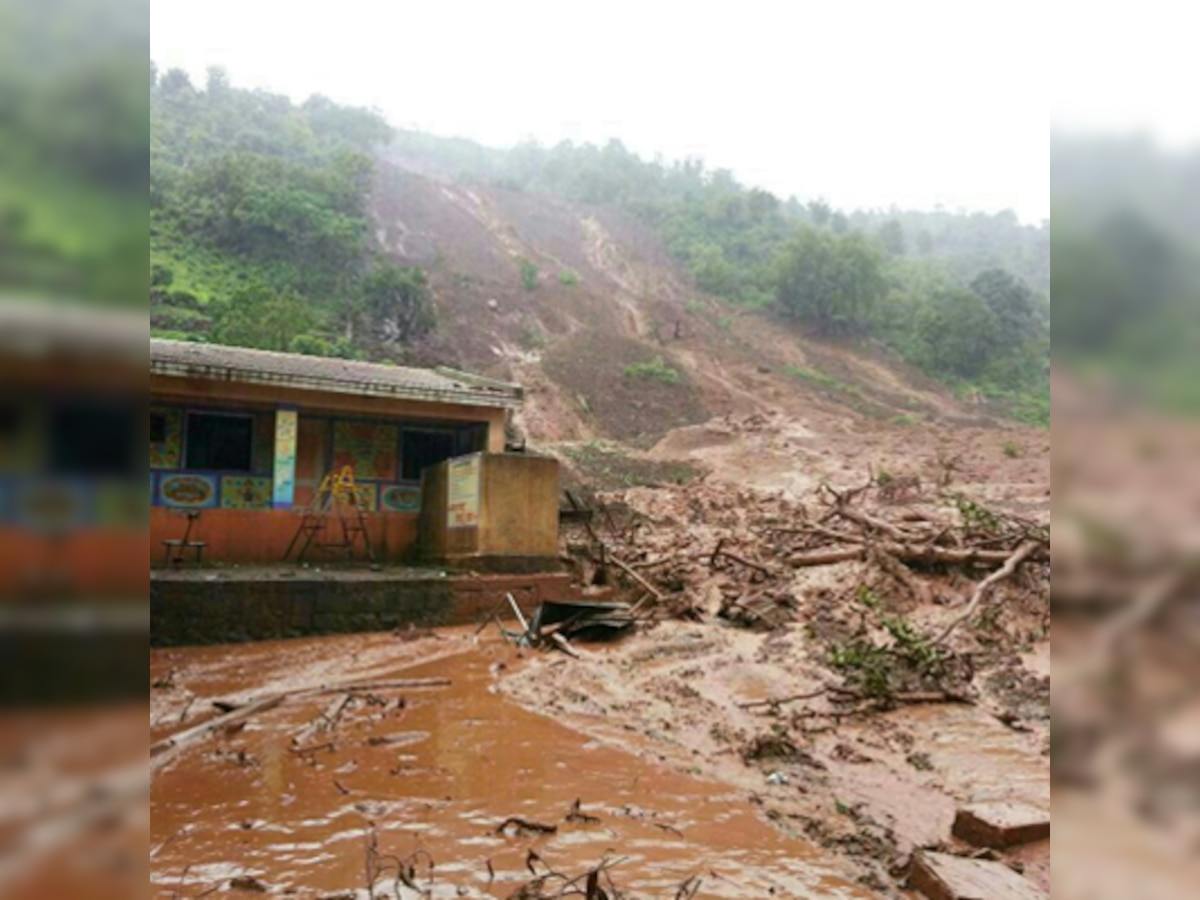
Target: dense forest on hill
x,y
260,235
73,138
1126,240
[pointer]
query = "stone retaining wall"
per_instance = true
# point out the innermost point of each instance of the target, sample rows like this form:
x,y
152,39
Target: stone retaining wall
x,y
200,611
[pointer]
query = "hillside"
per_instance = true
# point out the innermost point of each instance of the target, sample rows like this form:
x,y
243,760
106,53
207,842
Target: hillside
x,y
630,297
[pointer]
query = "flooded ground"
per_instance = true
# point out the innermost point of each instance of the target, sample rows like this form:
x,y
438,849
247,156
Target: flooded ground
x,y
432,773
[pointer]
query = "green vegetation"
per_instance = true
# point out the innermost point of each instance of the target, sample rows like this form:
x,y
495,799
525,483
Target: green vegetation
x,y
1126,282
529,275
832,283
252,195
818,379
73,157
258,220
878,670
655,370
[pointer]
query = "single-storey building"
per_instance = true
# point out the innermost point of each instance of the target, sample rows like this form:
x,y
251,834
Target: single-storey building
x,y
242,440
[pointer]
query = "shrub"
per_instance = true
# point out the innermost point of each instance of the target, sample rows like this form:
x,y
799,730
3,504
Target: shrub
x,y
567,278
529,275
656,370
161,276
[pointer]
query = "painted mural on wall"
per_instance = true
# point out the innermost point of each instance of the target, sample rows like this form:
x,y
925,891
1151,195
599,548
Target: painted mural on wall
x,y
120,505
403,498
245,492
188,491
50,505
371,449
368,497
167,452
284,484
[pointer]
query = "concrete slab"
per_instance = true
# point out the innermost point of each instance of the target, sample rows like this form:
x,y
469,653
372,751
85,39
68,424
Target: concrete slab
x,y
1000,825
940,876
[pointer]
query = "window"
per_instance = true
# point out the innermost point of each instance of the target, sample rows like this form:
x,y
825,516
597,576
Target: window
x,y
158,428
223,442
95,437
421,449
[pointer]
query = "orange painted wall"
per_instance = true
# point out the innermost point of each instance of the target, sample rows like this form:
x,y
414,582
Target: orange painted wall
x,y
262,536
95,563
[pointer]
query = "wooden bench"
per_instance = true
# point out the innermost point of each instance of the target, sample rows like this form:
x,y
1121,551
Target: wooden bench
x,y
176,548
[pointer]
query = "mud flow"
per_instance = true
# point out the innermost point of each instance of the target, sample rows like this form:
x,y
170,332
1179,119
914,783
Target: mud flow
x,y
313,796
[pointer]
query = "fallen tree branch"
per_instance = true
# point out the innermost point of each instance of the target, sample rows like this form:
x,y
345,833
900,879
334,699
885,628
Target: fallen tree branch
x,y
780,701
722,552
657,594
920,553
985,587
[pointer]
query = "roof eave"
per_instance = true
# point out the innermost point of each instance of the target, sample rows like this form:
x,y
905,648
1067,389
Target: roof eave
x,y
508,398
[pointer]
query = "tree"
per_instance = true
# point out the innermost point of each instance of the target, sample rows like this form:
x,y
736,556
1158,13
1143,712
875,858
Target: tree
x,y
397,302
958,332
217,83
258,317
820,212
1012,303
175,82
830,282
891,236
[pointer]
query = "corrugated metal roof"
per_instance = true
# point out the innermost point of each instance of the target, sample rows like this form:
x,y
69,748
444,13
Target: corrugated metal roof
x,y
182,359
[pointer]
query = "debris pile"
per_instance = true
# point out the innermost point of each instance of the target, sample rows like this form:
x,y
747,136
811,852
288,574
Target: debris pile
x,y
711,549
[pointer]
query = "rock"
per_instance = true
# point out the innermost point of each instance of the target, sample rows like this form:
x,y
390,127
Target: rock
x,y
1001,824
493,305
940,876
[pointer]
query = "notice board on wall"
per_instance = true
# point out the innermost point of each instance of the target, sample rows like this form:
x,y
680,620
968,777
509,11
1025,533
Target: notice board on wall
x,y
462,494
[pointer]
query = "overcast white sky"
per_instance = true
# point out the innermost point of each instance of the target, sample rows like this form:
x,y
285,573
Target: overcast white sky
x,y
1127,67
865,102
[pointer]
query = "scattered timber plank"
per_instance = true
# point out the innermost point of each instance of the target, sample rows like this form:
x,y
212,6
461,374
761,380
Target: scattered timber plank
x,y
940,876
191,735
398,684
1000,825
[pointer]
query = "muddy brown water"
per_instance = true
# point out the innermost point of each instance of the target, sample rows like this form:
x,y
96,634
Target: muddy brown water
x,y
455,762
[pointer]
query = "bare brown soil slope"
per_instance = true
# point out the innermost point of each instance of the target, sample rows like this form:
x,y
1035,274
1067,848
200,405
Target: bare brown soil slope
x,y
608,297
